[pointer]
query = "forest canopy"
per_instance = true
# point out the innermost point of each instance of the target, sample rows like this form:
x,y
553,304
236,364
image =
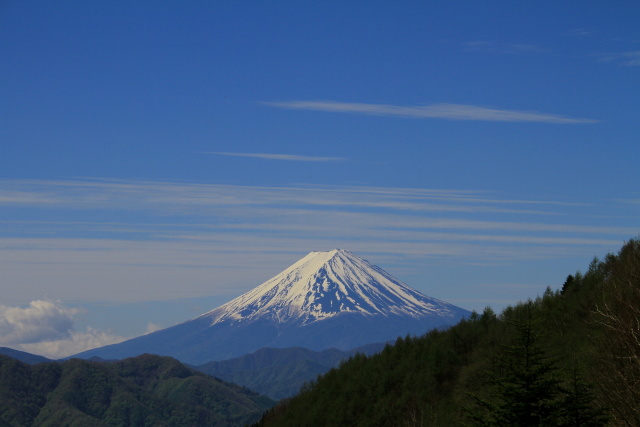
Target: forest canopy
x,y
570,357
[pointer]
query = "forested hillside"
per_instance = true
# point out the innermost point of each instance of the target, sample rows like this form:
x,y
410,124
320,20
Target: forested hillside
x,y
145,390
571,357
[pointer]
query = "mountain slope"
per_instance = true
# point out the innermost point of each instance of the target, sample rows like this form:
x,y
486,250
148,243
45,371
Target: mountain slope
x,y
280,372
568,358
23,356
146,390
323,285
325,300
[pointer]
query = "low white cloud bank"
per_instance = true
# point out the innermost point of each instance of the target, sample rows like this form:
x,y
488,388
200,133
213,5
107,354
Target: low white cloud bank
x,y
46,328
40,321
76,342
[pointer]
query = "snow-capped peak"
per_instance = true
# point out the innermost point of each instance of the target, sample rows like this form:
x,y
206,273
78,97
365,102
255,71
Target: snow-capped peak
x,y
324,284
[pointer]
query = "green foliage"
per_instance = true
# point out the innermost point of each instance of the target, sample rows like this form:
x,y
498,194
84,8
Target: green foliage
x,y
19,404
568,358
578,409
526,388
143,391
618,349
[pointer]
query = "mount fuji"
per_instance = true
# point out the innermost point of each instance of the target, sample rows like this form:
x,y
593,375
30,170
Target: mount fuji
x,y
331,299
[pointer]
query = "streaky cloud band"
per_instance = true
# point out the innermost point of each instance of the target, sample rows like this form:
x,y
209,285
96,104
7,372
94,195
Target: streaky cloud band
x,y
434,111
287,157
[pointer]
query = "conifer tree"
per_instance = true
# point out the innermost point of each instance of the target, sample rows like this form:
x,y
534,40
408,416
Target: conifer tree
x,y
619,346
579,408
526,388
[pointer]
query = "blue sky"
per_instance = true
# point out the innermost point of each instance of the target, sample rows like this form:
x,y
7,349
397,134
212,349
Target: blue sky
x,y
159,158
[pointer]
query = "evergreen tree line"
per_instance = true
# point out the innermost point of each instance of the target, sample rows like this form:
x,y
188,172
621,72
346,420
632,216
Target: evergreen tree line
x,y
571,357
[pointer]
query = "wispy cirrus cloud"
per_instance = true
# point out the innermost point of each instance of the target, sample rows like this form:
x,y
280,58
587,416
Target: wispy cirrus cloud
x,y
578,32
502,48
433,111
629,58
131,240
172,197
286,157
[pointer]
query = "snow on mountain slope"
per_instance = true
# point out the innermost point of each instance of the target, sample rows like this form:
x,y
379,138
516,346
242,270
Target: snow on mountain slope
x,y
326,300
324,284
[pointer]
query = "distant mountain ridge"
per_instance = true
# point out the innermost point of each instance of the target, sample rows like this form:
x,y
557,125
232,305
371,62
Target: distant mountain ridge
x,y
330,299
145,390
280,372
23,356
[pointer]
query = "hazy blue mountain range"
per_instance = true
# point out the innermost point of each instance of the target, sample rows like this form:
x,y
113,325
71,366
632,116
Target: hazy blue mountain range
x,y
280,372
23,356
325,300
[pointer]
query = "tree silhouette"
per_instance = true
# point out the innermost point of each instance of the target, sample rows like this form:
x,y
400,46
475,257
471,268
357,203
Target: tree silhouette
x,y
525,385
579,408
